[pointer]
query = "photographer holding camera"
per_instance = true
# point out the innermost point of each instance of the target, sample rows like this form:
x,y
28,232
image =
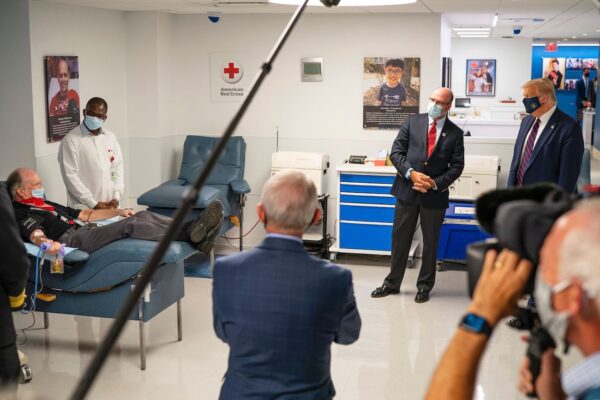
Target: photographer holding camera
x,y
567,292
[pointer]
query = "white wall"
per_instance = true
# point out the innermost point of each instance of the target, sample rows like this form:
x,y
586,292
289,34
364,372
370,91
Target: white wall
x,y
322,117
16,126
513,66
98,38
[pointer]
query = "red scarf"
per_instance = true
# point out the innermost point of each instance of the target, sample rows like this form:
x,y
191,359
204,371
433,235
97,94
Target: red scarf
x,y
37,202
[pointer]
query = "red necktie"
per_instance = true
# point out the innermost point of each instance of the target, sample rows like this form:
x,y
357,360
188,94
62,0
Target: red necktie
x,y
527,152
431,139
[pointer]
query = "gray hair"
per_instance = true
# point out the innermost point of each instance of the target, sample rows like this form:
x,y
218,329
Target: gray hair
x,y
580,250
14,182
290,200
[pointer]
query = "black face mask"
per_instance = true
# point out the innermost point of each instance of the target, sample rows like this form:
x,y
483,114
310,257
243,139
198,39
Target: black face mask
x,y
531,104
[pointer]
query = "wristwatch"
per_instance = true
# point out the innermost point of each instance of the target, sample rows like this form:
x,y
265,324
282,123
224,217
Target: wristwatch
x,y
476,324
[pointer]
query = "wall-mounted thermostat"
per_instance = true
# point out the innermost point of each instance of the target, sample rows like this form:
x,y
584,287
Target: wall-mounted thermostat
x,y
311,69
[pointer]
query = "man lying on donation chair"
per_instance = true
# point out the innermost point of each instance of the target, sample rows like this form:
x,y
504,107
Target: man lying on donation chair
x,y
44,222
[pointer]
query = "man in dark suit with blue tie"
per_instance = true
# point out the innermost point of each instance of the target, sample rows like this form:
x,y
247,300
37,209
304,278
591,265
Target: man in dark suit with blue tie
x,y
429,156
279,308
549,146
585,93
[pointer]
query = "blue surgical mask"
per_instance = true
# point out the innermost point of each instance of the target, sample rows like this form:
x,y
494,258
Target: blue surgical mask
x,y
93,123
531,104
39,193
434,110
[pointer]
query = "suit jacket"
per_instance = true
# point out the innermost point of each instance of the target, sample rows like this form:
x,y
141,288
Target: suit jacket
x,y
444,166
556,156
580,92
279,309
14,266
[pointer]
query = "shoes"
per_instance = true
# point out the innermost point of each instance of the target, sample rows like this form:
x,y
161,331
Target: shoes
x,y
515,323
422,296
208,243
206,226
383,291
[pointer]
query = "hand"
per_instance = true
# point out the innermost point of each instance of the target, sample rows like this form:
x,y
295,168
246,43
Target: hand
x,y
114,203
421,182
125,212
54,247
500,285
548,384
102,205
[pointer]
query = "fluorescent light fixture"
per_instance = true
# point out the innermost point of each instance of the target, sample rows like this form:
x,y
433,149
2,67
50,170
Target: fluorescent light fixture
x,y
474,36
471,29
495,21
584,34
348,3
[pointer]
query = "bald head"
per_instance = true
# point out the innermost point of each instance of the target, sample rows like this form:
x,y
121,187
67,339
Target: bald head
x,y
442,97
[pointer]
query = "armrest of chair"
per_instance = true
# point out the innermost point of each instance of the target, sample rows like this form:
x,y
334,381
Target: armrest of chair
x,y
240,186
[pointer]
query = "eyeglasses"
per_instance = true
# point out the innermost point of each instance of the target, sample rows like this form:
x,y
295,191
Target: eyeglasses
x,y
438,102
394,71
93,114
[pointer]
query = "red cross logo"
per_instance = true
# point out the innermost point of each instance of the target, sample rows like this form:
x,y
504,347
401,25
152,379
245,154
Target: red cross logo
x,y
232,71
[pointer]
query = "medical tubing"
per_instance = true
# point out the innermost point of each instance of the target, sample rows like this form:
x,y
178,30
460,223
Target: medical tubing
x,y
85,382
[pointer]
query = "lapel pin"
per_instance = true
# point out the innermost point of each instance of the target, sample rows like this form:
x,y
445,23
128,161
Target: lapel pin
x,y
443,134
551,126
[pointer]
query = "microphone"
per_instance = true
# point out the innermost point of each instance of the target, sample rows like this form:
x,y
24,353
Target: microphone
x,y
330,3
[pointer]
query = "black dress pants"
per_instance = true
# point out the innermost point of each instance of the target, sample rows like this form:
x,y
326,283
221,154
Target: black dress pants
x,y
9,370
405,222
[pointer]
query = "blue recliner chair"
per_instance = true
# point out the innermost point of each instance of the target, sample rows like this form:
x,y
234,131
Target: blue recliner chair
x,y
97,284
226,182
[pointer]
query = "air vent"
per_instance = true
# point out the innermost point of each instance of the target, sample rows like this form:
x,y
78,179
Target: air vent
x,y
508,37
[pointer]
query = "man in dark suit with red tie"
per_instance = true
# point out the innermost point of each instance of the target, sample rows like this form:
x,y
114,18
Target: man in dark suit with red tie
x,y
549,146
429,156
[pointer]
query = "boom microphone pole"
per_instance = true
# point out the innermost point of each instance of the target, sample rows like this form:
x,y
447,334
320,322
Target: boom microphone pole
x,y
152,264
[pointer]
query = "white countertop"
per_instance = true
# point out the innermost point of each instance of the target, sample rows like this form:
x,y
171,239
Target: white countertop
x,y
347,167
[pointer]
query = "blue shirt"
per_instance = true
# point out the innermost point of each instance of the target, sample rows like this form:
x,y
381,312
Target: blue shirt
x,y
282,236
392,96
582,377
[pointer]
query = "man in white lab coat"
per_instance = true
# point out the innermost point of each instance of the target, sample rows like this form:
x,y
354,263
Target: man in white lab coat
x,y
91,161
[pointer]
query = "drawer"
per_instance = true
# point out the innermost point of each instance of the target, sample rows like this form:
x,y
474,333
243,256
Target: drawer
x,y
367,178
354,188
365,236
366,199
366,213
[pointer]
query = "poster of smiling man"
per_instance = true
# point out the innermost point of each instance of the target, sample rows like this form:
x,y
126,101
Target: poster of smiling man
x,y
62,94
391,90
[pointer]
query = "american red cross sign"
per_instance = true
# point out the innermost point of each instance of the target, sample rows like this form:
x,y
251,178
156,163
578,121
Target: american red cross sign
x,y
232,71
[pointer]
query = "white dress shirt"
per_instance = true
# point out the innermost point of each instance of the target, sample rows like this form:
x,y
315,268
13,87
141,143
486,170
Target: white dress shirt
x,y
91,167
543,122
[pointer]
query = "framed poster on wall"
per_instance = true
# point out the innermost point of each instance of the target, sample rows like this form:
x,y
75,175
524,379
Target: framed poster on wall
x,y
554,69
391,88
481,77
62,95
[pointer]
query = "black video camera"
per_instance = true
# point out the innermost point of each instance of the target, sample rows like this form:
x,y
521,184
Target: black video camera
x,y
520,219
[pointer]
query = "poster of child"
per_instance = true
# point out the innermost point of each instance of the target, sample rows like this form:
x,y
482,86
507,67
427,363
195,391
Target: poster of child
x,y
554,69
391,90
481,77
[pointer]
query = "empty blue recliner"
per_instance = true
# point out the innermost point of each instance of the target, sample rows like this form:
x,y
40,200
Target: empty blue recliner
x,y
226,182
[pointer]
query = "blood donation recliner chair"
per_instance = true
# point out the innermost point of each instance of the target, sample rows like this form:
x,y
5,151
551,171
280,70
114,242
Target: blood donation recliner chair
x,y
225,183
97,284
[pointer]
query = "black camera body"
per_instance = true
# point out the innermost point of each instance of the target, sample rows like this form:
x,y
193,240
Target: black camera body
x,y
519,219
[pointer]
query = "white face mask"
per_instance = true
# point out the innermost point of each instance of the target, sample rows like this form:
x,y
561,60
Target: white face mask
x,y
556,323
